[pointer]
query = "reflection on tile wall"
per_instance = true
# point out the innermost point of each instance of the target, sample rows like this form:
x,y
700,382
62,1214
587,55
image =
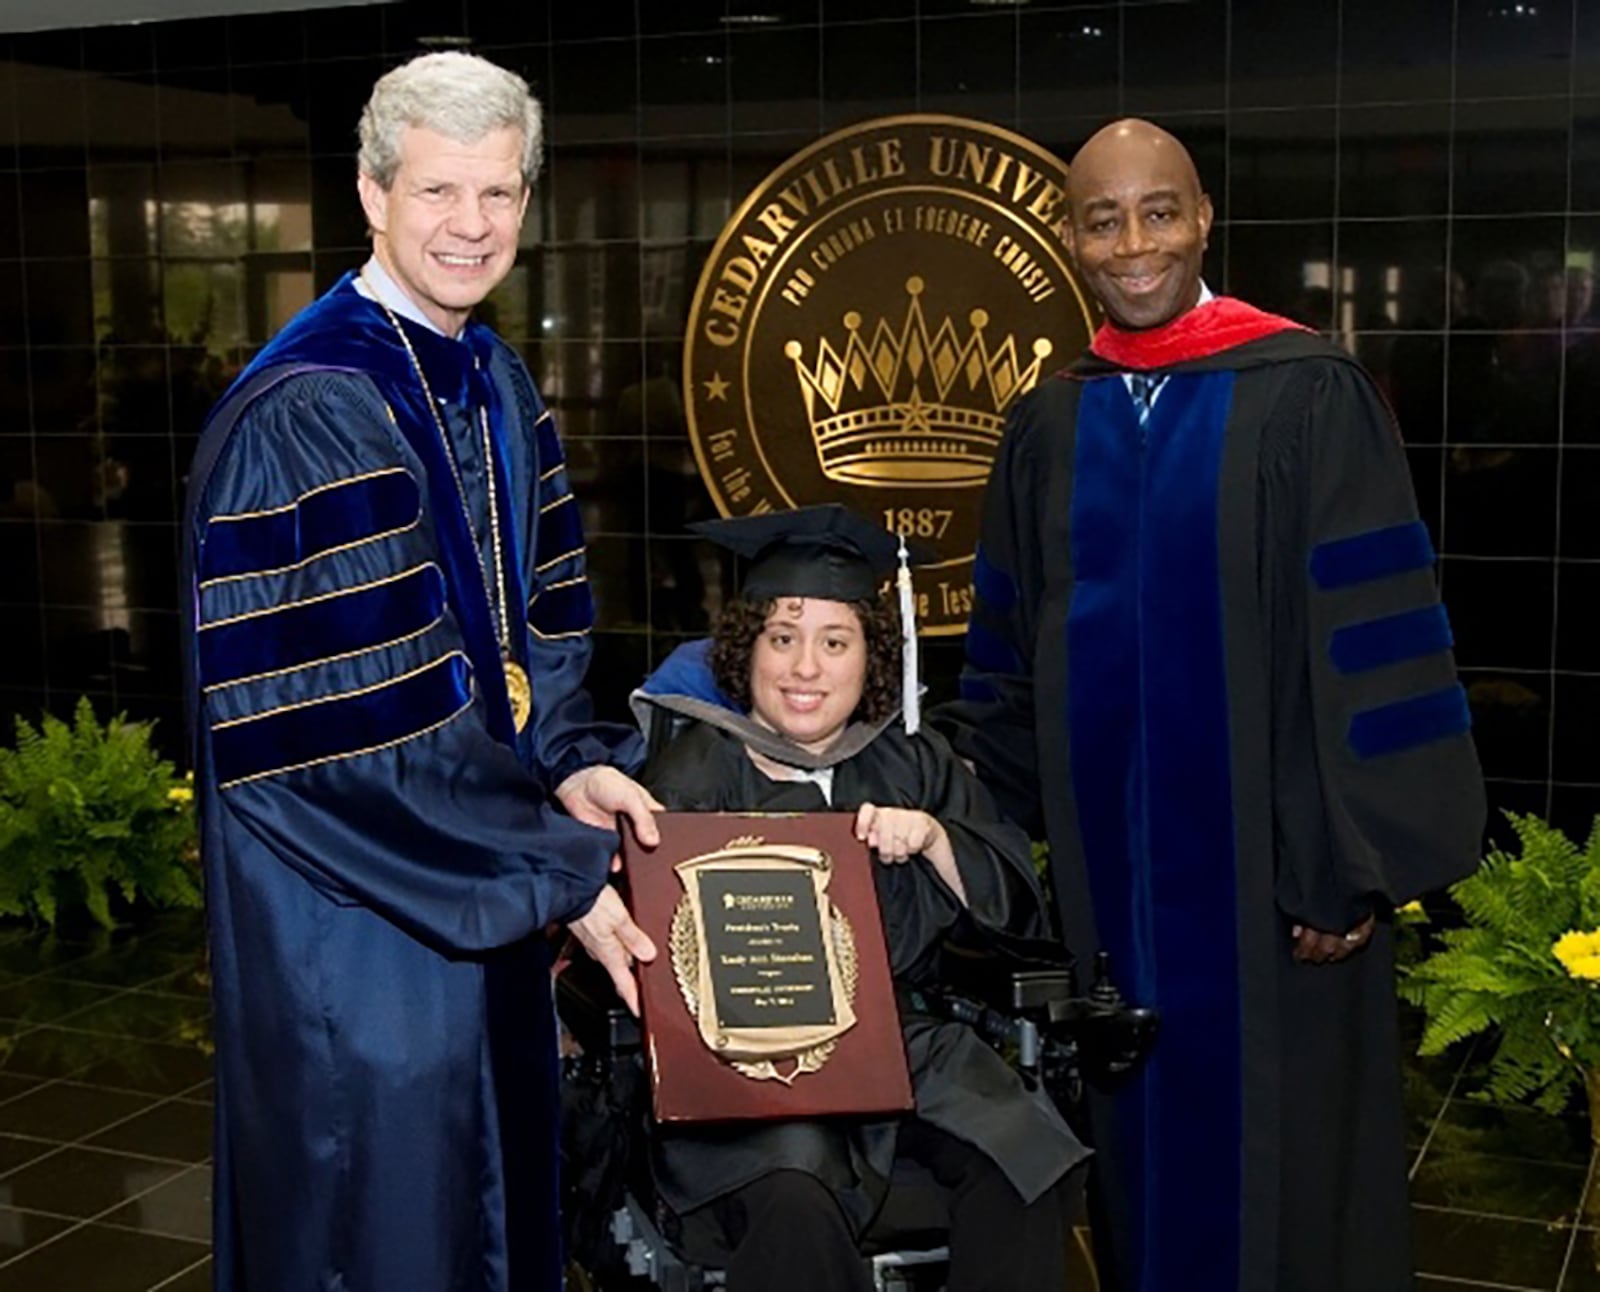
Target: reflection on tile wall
x,y
1420,178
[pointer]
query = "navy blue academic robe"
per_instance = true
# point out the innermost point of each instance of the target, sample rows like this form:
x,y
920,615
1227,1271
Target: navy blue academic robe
x,y
382,849
1208,660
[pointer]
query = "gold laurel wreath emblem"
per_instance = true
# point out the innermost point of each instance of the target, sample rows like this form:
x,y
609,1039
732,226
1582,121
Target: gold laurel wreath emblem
x,y
684,944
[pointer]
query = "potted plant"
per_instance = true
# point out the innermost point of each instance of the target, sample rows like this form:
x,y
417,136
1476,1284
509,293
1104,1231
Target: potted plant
x,y
1524,968
92,819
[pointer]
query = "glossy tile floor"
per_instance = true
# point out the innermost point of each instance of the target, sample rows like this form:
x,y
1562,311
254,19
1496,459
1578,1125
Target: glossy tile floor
x,y
105,1127
105,1112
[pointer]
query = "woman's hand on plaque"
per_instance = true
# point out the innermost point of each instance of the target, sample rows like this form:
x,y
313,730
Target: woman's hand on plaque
x,y
899,834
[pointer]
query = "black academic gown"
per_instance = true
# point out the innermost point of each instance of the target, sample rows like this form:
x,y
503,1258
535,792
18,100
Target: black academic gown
x,y
962,1086
1208,658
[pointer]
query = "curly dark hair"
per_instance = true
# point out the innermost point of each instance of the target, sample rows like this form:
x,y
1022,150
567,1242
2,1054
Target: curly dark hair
x,y
733,644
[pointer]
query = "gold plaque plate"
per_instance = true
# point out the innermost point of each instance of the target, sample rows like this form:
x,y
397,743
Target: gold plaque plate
x,y
765,962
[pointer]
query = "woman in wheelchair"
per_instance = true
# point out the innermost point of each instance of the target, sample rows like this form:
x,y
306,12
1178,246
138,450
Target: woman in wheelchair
x,y
794,706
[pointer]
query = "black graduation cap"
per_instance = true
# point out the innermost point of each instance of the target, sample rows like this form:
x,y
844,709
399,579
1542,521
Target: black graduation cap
x,y
827,552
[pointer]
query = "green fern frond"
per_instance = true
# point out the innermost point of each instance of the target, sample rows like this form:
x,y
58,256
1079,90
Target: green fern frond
x,y
1498,973
87,816
1453,1016
1546,1081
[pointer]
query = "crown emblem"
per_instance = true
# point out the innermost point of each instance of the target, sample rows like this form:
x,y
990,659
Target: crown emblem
x,y
912,407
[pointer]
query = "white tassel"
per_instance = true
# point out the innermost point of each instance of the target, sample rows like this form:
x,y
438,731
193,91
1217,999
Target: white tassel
x,y
910,695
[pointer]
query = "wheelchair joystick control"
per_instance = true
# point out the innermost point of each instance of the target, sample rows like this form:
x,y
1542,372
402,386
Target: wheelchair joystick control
x,y
1104,992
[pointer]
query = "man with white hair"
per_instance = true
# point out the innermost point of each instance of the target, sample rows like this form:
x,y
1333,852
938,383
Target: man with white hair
x,y
401,781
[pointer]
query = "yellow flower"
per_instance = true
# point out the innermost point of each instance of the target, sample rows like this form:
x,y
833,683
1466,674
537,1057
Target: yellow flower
x,y
1410,908
180,794
1580,953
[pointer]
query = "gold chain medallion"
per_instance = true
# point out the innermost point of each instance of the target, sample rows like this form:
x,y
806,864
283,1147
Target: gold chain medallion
x,y
519,691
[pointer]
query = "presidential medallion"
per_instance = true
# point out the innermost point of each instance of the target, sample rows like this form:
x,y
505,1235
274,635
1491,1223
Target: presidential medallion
x,y
519,691
865,323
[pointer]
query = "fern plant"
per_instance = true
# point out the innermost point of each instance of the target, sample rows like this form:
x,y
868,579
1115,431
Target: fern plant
x,y
90,812
1525,967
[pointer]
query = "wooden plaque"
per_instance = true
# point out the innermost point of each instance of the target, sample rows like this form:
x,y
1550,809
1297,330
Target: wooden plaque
x,y
771,996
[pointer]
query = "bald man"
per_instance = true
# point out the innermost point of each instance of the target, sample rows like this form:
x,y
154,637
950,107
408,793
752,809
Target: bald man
x,y
1209,661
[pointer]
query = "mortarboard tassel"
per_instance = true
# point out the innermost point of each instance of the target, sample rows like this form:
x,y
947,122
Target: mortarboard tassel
x,y
910,697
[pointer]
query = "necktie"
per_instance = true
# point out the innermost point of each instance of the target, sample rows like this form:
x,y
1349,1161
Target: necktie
x,y
1144,387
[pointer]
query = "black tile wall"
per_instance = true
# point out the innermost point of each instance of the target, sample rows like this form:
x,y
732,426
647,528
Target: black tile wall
x,y
868,70
1273,63
1419,178
1175,57
1394,161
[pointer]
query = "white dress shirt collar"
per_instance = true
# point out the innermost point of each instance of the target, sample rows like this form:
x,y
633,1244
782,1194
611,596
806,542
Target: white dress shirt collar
x,y
376,284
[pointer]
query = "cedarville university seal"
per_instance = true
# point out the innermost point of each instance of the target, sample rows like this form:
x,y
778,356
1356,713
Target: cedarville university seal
x,y
867,319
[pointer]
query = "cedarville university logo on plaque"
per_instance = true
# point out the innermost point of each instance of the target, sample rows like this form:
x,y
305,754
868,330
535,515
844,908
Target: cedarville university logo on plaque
x,y
867,319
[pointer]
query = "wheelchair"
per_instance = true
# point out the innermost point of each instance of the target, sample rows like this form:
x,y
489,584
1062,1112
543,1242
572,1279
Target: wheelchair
x,y
1024,999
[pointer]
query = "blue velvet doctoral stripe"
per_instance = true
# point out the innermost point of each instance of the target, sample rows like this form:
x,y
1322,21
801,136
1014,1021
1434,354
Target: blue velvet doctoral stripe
x,y
993,584
219,426
562,609
301,633
1148,717
343,331
342,726
560,530
1376,554
333,516
1375,643
1406,724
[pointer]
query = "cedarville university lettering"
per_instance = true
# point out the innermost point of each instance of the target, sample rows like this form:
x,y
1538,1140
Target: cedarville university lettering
x,y
981,165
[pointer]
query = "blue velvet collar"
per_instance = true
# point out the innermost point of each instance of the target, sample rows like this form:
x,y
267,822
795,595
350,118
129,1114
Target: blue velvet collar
x,y
346,332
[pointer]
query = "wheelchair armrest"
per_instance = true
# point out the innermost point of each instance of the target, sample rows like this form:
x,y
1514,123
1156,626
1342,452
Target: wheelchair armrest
x,y
1016,977
593,1012
1040,990
1034,984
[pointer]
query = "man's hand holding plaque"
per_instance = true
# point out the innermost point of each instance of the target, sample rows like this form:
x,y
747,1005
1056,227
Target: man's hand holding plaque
x,y
614,942
599,796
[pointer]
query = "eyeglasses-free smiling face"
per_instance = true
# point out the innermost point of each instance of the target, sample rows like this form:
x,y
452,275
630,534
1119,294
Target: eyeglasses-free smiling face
x,y
446,227
808,670
1138,224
